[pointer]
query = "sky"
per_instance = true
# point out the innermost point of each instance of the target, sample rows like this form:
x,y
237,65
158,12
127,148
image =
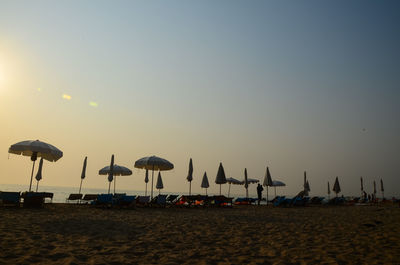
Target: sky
x,y
293,85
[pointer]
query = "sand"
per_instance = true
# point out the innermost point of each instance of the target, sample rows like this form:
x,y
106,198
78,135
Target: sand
x,y
81,234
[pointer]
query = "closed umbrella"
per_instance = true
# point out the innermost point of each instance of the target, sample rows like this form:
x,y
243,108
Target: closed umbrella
x,y
382,189
234,181
83,174
277,183
362,186
267,181
153,163
204,182
220,179
306,185
190,176
36,149
146,180
159,184
39,173
116,171
329,192
336,186
248,181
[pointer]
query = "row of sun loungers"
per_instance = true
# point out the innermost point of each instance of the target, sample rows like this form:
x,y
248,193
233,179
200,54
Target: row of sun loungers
x,y
27,199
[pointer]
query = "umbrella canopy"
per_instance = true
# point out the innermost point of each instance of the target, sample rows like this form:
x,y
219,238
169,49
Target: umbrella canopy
x,y
36,149
234,181
220,179
308,186
362,186
159,184
39,173
83,174
153,163
267,179
117,171
277,183
336,186
204,182
190,176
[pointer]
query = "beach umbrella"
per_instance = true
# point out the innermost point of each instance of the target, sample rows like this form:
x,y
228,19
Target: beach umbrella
x,y
306,185
116,171
267,181
153,163
362,186
220,179
329,191
204,182
374,188
307,188
248,181
336,186
146,180
277,183
36,149
83,174
190,176
382,189
110,173
39,173
159,184
234,181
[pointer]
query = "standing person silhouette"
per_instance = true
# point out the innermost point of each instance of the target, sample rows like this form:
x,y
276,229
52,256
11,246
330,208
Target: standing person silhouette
x,y
259,192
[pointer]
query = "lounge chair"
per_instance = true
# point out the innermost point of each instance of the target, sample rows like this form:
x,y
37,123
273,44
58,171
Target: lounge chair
x,y
159,200
172,199
33,199
89,197
125,201
74,197
221,200
142,200
104,200
9,198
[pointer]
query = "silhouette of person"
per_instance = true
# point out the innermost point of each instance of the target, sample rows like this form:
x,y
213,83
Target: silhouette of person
x,y
259,192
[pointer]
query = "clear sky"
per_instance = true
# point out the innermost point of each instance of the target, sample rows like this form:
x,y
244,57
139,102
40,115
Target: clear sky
x,y
293,85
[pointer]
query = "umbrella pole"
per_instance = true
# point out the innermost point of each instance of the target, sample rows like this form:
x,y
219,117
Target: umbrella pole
x,y
220,185
115,180
80,186
109,185
33,167
145,191
267,195
37,185
229,190
206,191
275,191
152,177
190,188
247,193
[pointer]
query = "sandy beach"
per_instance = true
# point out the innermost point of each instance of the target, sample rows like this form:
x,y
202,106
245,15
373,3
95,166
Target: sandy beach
x,y
80,234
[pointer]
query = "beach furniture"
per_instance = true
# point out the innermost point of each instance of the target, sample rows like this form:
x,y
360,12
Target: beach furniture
x,y
244,201
159,200
316,200
221,200
103,200
126,201
9,198
89,197
279,201
172,199
33,199
142,200
74,197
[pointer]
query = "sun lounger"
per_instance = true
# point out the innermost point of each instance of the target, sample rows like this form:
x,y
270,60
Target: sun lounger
x,y
125,201
221,200
34,199
74,197
89,197
9,198
279,201
172,199
104,200
159,200
142,200
244,201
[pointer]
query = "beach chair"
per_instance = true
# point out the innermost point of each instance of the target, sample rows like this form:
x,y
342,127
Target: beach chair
x,y
89,198
142,201
279,201
159,200
103,200
33,199
74,197
9,198
221,200
126,201
172,198
48,195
